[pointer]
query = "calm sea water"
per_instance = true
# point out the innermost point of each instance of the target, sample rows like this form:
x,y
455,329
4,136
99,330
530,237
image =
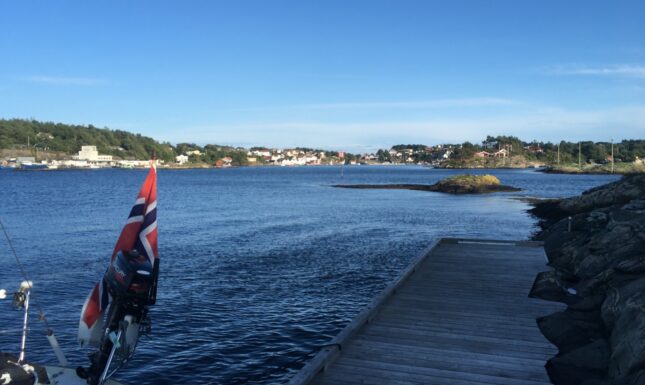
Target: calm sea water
x,y
259,265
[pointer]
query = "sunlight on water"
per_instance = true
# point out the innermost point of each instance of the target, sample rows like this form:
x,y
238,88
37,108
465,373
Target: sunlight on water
x,y
258,265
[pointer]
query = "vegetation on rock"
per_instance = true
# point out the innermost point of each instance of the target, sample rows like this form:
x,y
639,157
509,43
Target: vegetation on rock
x,y
618,168
472,180
460,184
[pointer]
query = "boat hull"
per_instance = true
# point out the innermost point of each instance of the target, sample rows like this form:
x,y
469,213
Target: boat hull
x,y
67,376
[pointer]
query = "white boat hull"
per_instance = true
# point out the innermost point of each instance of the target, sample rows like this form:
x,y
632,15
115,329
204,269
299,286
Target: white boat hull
x,y
67,376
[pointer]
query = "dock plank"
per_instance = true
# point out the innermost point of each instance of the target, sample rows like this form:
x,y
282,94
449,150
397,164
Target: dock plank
x,y
460,314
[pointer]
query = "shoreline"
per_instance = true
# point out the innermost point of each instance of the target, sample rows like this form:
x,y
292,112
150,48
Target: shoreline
x,y
595,247
546,169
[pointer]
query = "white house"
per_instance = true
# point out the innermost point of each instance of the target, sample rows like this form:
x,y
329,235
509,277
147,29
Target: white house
x,y
90,153
133,163
262,153
311,159
503,153
181,159
276,158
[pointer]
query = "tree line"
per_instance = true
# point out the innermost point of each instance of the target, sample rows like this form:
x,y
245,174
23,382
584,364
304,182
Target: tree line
x,y
564,151
66,138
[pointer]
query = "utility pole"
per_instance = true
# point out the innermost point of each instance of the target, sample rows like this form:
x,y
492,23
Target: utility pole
x,y
612,155
579,155
559,153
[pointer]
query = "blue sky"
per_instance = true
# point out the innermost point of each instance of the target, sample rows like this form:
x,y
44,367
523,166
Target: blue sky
x,y
353,75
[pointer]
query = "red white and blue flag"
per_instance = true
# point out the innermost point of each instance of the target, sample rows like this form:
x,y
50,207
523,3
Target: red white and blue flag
x,y
139,232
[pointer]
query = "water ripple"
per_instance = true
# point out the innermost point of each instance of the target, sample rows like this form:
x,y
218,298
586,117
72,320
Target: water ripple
x,y
260,267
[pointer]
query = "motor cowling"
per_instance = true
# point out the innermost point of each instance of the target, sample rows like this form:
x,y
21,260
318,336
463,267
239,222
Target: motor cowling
x,y
130,277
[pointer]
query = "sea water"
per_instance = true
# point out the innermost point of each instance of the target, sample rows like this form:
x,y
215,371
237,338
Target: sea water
x,y
259,266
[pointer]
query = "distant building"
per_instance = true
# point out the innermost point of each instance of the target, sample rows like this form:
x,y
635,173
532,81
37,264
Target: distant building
x,y
133,163
25,159
482,154
503,153
91,154
262,153
535,149
181,159
311,159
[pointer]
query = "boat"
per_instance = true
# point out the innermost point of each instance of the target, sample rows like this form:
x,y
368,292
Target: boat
x,y
115,313
33,166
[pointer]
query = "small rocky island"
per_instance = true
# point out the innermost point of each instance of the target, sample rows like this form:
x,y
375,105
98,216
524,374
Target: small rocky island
x,y
595,244
460,184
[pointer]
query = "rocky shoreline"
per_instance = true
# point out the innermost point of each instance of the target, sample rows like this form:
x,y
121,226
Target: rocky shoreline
x,y
460,184
620,168
595,244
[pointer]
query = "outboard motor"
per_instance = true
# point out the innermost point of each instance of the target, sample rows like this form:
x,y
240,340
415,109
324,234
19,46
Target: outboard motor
x,y
131,281
129,278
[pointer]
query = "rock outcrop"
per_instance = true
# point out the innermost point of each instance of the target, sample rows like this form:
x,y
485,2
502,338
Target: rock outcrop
x,y
460,184
596,246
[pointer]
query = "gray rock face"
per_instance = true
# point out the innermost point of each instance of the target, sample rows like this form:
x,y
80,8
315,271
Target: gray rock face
x,y
583,364
596,245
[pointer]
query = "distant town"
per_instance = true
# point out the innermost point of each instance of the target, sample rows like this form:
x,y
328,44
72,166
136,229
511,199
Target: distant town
x,y
33,145
490,154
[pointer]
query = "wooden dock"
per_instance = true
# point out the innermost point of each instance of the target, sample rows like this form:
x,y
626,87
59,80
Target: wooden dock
x,y
459,315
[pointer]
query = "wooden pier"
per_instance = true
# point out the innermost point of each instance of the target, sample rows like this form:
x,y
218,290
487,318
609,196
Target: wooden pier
x,y
459,315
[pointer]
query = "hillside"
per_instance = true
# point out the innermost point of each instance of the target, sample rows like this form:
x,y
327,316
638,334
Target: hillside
x,y
28,135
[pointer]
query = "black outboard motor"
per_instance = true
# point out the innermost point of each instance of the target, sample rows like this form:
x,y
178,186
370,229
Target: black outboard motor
x,y
132,283
129,278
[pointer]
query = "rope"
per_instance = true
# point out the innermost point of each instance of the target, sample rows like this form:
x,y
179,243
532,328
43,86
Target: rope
x,y
41,315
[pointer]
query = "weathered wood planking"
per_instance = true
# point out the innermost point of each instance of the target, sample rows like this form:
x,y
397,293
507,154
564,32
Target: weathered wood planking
x,y
459,314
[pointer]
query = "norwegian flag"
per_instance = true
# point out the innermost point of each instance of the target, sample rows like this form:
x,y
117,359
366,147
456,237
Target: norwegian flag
x,y
139,232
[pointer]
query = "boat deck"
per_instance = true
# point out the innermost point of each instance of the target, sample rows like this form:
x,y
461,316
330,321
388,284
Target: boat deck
x,y
460,314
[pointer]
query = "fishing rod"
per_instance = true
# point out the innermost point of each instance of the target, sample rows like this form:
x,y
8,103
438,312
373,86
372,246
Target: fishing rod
x,y
22,301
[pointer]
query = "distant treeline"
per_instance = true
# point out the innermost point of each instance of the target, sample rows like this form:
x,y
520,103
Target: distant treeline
x,y
68,139
598,152
58,137
569,152
65,138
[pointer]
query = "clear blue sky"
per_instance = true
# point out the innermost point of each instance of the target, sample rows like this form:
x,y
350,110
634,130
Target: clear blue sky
x,y
353,75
